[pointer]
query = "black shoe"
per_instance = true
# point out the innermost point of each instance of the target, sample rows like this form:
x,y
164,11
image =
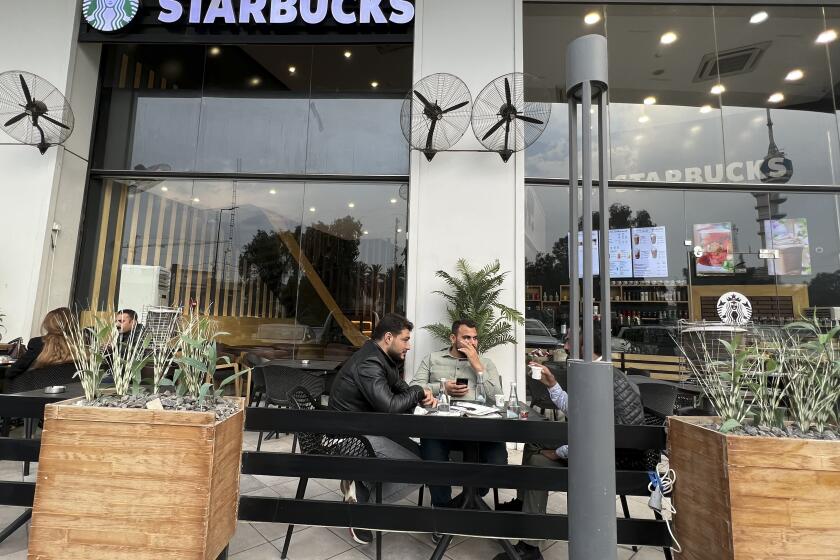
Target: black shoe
x,y
524,551
513,505
436,537
361,536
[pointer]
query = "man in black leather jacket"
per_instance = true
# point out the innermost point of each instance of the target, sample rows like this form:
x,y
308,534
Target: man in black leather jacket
x,y
370,381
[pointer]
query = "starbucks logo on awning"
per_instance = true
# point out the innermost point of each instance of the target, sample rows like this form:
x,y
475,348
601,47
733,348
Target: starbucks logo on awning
x,y
109,15
734,308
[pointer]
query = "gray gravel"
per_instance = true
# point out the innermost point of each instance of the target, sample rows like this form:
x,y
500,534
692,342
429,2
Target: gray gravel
x,y
223,408
789,431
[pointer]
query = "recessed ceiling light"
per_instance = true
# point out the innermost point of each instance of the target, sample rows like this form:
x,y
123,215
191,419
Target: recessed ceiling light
x,y
717,89
196,200
272,191
292,69
639,137
650,100
351,205
393,201
668,38
592,18
311,208
399,230
255,81
706,109
215,51
365,232
794,75
643,119
347,54
695,129
164,189
827,36
777,97
759,17
374,84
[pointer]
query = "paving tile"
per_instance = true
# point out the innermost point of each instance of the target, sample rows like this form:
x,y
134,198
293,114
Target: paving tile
x,y
248,483
473,548
268,480
289,489
263,552
352,554
315,543
648,553
264,492
244,538
400,546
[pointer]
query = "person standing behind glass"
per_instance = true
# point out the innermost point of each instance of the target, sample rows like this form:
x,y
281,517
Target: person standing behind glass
x,y
460,361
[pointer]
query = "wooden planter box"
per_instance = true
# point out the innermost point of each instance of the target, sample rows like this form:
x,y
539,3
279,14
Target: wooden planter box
x,y
741,497
135,484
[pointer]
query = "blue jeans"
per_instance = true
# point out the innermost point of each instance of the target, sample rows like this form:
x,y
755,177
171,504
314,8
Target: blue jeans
x,y
494,453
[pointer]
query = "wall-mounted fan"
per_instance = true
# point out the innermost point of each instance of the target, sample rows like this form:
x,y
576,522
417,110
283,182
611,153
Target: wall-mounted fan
x,y
33,111
436,113
503,121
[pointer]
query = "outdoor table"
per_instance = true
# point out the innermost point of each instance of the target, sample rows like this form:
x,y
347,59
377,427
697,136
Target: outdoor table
x,y
471,499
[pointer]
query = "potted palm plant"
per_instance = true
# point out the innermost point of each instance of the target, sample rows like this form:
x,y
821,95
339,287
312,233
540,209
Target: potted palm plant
x,y
135,472
751,483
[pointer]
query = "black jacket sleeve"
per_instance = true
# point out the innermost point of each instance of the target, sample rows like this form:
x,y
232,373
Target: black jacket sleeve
x,y
373,384
33,350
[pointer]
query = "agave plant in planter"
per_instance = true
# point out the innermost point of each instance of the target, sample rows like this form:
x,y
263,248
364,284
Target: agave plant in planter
x,y
741,475
133,472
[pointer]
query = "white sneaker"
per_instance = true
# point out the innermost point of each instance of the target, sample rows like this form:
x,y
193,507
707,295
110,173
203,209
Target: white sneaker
x,y
348,490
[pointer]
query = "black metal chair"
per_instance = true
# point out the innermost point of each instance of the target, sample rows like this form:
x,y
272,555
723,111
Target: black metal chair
x,y
299,398
539,393
280,381
57,374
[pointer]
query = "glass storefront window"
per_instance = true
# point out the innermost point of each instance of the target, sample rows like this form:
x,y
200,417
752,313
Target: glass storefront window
x,y
288,268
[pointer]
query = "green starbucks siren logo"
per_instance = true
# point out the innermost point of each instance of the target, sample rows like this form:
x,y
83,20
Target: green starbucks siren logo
x,y
109,15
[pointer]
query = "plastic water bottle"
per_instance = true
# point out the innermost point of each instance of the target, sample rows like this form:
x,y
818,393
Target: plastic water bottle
x,y
480,390
513,402
443,398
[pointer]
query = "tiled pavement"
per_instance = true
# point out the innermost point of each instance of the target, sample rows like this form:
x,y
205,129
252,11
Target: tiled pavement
x,y
263,541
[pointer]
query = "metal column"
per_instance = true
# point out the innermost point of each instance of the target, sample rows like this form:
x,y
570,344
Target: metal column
x,y
591,496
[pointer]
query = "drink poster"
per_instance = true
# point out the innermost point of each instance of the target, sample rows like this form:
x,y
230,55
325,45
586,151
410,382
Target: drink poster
x,y
650,252
790,238
621,256
715,242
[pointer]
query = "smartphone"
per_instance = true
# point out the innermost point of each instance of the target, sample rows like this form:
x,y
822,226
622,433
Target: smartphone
x,y
461,381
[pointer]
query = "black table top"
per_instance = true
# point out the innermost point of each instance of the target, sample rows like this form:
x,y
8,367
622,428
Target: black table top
x,y
310,365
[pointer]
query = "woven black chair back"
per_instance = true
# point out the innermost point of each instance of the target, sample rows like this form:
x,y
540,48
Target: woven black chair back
x,y
58,374
281,380
659,401
324,444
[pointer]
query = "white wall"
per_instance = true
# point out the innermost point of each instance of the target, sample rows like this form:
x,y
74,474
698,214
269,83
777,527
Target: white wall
x,y
37,190
466,204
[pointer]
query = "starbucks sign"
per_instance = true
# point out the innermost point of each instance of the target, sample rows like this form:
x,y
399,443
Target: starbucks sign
x,y
109,15
734,309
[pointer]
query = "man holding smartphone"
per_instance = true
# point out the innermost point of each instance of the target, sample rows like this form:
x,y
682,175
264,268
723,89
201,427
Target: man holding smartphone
x,y
461,366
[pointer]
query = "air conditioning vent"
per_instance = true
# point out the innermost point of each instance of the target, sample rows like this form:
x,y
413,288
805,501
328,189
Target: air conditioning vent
x,y
730,63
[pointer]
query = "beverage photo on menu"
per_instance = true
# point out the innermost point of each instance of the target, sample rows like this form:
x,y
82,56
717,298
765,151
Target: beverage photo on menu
x,y
715,240
789,237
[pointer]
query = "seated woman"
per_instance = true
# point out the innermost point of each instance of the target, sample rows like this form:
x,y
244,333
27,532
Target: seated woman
x,y
47,360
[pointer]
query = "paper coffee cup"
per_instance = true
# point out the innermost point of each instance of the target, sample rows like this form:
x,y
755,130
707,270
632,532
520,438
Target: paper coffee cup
x,y
536,372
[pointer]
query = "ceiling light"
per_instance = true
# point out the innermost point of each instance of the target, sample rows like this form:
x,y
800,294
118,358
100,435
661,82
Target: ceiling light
x,y
668,38
272,191
777,97
399,230
717,89
706,109
164,189
365,232
592,18
759,17
794,75
639,137
374,84
643,119
311,208
347,54
650,100
351,205
827,36
255,81
393,201
292,69
696,128
215,51
196,200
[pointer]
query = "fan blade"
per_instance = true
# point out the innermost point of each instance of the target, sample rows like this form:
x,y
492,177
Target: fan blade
x,y
431,134
13,120
507,134
55,122
25,89
455,107
494,128
528,119
507,91
423,99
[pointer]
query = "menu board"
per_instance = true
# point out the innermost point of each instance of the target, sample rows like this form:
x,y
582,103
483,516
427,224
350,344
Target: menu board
x,y
621,256
650,254
790,237
596,263
715,243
